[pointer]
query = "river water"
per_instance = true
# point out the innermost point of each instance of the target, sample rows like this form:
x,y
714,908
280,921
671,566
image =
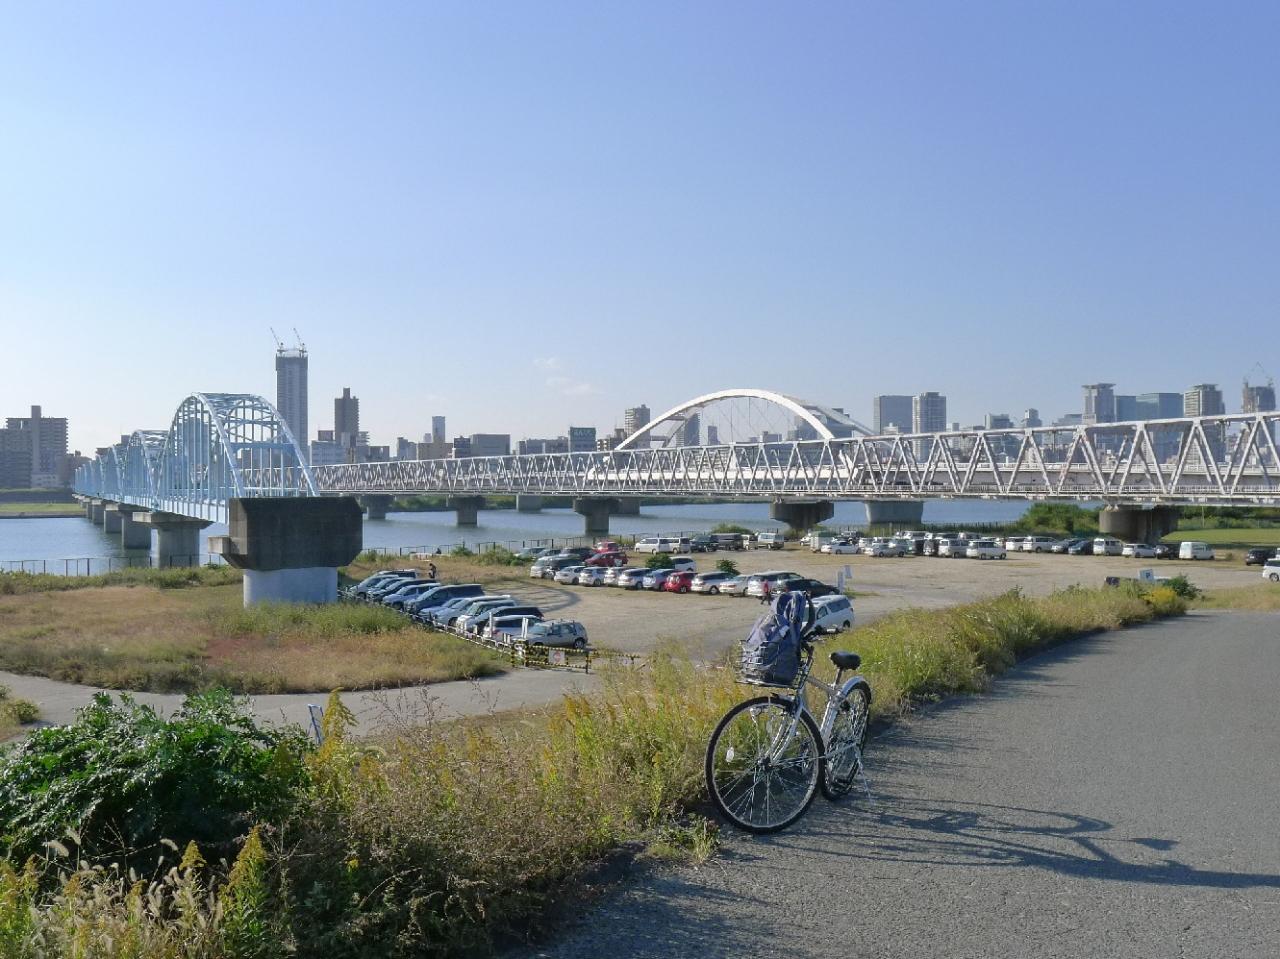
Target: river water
x,y
76,545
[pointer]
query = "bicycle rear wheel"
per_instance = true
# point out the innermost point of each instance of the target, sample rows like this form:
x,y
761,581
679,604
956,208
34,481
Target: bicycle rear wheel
x,y
764,764
848,739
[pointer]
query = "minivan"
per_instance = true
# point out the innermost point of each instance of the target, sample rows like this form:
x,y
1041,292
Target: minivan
x,y
659,544
1107,546
1195,550
770,540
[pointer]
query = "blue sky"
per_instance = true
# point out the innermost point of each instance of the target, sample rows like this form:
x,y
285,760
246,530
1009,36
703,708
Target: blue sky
x,y
525,215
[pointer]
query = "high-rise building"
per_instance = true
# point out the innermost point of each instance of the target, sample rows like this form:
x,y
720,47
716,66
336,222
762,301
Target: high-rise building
x,y
998,421
437,430
891,410
559,444
634,418
1258,399
1031,418
1099,403
1159,406
291,390
692,431
582,439
1203,399
1126,408
482,444
346,417
406,449
928,415
35,451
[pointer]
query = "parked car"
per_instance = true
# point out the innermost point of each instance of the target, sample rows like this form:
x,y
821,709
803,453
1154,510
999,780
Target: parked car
x,y
770,540
548,566
432,598
631,578
884,547
1082,548
1013,544
1037,544
535,552
756,583
577,553
834,614
953,548
658,544
1258,555
362,587
557,632
656,578
608,546
1166,551
1063,545
568,575
812,588
702,543
681,581
405,594
735,585
931,547
504,629
683,562
387,587
1138,551
709,583
986,549
478,624
439,615
454,618
728,540
592,575
611,575
608,558
1271,570
839,547
1107,546
1195,550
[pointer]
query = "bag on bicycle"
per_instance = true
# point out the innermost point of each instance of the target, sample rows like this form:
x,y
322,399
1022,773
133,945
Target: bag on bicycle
x,y
771,653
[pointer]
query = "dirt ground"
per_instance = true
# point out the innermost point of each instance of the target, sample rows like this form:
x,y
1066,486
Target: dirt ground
x,y
706,626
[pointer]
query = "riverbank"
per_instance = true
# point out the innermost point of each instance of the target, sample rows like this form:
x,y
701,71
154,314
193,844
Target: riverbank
x,y
39,510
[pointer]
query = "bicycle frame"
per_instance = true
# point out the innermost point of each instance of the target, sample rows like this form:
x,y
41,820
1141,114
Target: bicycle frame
x,y
835,699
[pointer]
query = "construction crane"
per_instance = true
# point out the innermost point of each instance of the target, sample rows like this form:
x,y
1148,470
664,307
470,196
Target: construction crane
x,y
279,342
1250,401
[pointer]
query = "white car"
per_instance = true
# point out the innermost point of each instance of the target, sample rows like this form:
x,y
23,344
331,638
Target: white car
x,y
1038,544
1107,546
834,614
879,546
631,578
658,544
840,548
1271,570
953,548
756,582
1138,551
709,583
1014,543
615,573
985,549
568,575
591,576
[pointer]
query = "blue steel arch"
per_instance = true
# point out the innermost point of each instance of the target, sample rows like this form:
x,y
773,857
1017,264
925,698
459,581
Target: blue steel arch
x,y
219,445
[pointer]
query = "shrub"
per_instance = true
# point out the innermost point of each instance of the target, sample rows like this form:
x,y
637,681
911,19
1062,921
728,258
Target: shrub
x,y
499,556
727,566
658,561
16,712
1183,586
460,551
122,779
731,528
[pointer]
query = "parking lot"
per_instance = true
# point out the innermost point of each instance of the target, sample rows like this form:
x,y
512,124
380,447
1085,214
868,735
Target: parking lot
x,y
706,626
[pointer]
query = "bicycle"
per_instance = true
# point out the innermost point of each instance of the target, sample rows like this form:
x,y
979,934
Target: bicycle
x,y
769,757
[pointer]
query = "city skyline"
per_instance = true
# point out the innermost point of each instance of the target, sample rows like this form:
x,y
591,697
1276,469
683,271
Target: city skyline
x,y
724,182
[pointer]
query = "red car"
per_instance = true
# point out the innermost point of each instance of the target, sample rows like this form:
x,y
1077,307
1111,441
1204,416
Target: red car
x,y
608,546
607,558
679,582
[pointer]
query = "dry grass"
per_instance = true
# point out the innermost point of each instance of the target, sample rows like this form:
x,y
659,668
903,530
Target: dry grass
x,y
186,640
452,569
1261,597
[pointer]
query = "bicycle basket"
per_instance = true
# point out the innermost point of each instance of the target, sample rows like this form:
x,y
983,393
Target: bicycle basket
x,y
771,653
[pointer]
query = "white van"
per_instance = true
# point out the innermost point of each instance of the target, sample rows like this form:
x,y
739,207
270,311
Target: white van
x,y
770,540
1195,550
1107,546
659,544
1037,544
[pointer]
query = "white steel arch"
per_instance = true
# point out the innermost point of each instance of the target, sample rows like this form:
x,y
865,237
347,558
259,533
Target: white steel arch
x,y
815,416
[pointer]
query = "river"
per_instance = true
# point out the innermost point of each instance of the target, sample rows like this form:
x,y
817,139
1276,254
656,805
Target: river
x,y
76,545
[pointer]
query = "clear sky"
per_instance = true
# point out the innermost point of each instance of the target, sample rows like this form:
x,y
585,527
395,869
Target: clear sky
x,y
530,214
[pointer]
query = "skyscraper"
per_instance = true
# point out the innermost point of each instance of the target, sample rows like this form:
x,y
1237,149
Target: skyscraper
x,y
346,417
36,449
291,390
928,415
582,439
692,431
1031,418
437,430
635,418
1203,399
1126,408
891,410
1099,403
1258,399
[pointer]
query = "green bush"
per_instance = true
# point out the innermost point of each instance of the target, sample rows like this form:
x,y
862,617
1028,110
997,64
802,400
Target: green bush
x,y
1183,586
177,577
122,779
461,551
17,712
727,566
732,528
658,561
500,556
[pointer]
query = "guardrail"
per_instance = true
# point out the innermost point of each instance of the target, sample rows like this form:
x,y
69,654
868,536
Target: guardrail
x,y
96,565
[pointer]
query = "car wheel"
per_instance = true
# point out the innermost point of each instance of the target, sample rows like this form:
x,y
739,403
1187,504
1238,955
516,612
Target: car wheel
x,y
579,644
714,591
684,589
1275,577
845,626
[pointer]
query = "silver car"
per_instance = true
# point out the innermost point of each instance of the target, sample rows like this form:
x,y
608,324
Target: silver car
x,y
631,578
656,578
709,583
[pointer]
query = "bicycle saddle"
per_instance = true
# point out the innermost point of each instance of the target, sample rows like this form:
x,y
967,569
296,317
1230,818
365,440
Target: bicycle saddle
x,y
843,660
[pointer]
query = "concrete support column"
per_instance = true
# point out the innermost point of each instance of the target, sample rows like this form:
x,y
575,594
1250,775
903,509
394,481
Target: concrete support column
x,y
178,542
134,534
528,503
111,518
290,548
376,506
627,506
802,514
97,511
895,512
1134,524
595,511
88,509
468,509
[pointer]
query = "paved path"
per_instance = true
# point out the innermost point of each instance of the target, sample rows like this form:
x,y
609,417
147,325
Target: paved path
x,y
520,687
1117,797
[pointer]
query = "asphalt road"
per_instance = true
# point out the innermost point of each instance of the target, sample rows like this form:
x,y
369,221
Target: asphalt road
x,y
1119,796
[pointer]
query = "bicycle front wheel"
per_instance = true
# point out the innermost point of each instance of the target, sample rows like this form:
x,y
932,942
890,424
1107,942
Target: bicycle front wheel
x,y
764,764
848,739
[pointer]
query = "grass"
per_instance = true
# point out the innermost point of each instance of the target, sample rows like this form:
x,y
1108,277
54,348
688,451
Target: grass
x,y
1261,597
18,584
455,569
185,640
15,713
1241,538
41,509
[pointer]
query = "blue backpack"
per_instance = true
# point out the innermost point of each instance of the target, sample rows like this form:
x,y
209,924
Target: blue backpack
x,y
771,653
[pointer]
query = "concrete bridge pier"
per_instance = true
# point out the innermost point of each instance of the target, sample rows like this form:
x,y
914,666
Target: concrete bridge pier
x,y
1137,525
111,518
468,509
177,537
802,514
290,548
595,510
97,511
528,503
895,512
134,534
627,506
376,506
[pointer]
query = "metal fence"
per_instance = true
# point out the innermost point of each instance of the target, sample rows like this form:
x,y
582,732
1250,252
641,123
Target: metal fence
x,y
97,565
